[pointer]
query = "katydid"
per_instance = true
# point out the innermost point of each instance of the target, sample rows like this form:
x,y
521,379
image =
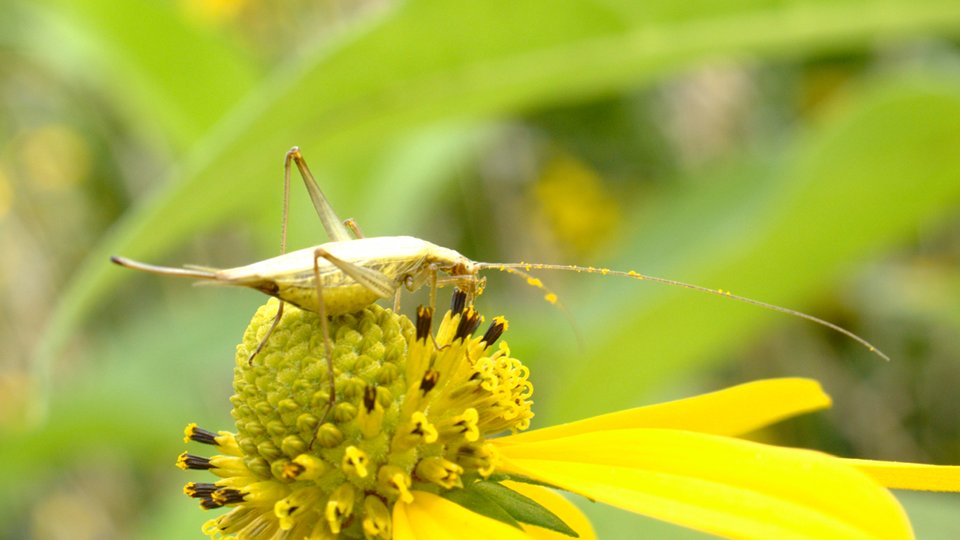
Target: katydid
x,y
351,271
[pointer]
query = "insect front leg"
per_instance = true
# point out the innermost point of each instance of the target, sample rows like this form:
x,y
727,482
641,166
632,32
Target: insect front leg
x,y
471,284
433,269
263,342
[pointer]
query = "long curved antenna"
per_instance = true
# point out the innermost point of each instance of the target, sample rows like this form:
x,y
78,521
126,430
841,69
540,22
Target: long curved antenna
x,y
549,296
510,267
163,270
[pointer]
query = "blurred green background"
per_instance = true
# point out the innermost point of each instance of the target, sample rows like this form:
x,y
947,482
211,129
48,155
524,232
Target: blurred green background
x,y
805,153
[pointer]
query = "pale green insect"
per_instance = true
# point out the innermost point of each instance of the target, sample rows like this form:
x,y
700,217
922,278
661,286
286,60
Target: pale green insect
x,y
351,272
343,275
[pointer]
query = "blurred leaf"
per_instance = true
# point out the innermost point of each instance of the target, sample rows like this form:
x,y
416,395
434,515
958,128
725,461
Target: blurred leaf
x,y
162,71
151,376
882,168
431,60
934,515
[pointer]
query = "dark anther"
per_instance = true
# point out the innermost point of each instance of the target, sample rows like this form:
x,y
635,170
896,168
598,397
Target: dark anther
x,y
429,380
201,435
469,322
467,451
210,504
424,321
369,398
494,332
228,496
190,461
292,470
200,490
458,302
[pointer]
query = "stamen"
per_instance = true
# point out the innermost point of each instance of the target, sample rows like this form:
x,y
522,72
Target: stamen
x,y
210,504
469,323
463,425
497,328
355,462
223,440
200,435
369,398
416,431
294,505
428,381
189,461
200,490
339,507
371,414
304,467
377,522
226,496
458,302
424,321
442,472
395,481
480,456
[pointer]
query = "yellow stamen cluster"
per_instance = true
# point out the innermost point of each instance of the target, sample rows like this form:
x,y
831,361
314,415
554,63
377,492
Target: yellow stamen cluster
x,y
412,411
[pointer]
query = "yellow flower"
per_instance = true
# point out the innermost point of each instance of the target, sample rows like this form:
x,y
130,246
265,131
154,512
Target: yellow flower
x,y
409,450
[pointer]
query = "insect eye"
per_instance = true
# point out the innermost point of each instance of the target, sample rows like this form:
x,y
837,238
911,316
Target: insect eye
x,y
409,283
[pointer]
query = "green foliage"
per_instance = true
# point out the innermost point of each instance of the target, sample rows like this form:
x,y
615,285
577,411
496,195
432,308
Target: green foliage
x,y
393,110
503,504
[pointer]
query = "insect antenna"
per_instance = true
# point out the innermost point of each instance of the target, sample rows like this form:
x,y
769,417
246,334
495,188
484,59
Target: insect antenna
x,y
522,268
548,295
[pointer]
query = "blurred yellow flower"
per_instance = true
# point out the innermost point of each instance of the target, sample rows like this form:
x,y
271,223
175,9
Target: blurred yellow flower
x,y
409,451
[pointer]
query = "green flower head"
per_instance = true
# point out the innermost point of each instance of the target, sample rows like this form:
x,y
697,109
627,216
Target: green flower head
x,y
412,412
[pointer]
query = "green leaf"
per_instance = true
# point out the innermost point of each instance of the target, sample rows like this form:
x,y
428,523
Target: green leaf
x,y
458,61
501,477
168,76
881,167
499,502
478,502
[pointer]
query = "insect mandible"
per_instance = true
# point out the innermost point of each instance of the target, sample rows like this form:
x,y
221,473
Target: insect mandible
x,y
352,271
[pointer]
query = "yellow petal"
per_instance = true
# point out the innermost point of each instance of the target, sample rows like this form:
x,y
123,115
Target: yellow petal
x,y
719,485
430,517
733,411
915,476
560,506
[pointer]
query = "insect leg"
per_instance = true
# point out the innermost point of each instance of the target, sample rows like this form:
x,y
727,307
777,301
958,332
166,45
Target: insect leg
x,y
354,227
263,342
434,269
396,301
325,329
283,249
373,280
331,223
